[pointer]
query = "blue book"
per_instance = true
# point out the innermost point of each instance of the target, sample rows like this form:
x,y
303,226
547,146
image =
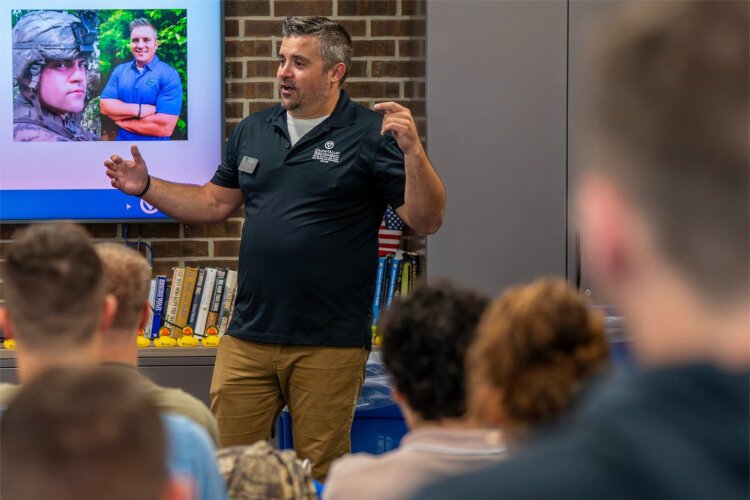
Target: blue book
x,y
380,277
393,277
159,298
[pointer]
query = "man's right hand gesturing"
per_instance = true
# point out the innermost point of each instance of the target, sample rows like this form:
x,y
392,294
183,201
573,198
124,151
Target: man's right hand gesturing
x,y
129,176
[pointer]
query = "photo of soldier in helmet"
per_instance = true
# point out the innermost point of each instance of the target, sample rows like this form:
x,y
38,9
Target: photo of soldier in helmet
x,y
51,53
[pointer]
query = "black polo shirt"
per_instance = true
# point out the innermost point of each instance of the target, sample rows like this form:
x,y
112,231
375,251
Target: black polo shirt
x,y
309,246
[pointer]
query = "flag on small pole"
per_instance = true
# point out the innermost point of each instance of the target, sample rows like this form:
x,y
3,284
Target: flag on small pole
x,y
389,235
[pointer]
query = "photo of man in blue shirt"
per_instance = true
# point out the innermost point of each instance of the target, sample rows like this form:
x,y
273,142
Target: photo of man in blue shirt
x,y
143,96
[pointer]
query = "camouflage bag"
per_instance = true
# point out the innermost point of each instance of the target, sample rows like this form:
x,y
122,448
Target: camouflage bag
x,y
259,471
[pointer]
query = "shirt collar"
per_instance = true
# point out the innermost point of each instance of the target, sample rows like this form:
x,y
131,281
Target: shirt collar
x,y
342,116
150,66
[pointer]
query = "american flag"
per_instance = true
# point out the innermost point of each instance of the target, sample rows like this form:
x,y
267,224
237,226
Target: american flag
x,y
389,235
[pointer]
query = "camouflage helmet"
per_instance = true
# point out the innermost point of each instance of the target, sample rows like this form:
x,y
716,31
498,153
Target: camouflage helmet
x,y
45,35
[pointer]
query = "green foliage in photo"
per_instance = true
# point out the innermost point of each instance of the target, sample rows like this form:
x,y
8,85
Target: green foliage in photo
x,y
114,44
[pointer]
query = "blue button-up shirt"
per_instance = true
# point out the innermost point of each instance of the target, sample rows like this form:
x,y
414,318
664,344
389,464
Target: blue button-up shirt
x,y
158,84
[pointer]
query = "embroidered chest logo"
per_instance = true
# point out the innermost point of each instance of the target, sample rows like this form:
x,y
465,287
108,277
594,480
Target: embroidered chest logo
x,y
327,155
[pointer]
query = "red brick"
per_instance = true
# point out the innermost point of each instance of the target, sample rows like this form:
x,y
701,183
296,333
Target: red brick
x,y
234,110
374,47
421,127
364,102
414,89
417,107
413,7
151,230
254,107
262,28
354,27
180,248
262,68
247,48
165,267
231,27
400,27
233,69
247,8
303,8
374,89
249,90
226,229
226,248
101,230
358,69
410,69
411,48
367,7
228,127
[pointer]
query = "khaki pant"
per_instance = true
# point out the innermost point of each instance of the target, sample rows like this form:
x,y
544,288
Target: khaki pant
x,y
252,382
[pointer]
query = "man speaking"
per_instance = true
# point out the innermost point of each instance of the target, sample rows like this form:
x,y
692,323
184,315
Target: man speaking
x,y
144,96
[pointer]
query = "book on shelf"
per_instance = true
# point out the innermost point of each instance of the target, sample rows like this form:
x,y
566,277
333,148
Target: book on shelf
x,y
224,324
205,303
406,285
158,312
151,300
379,278
212,318
197,295
189,278
394,277
227,300
386,282
174,297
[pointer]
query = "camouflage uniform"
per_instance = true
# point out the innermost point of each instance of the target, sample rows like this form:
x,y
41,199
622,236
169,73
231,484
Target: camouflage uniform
x,y
27,125
259,472
40,37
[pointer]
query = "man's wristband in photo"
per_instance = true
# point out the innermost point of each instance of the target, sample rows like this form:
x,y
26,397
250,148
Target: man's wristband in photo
x,y
145,190
138,117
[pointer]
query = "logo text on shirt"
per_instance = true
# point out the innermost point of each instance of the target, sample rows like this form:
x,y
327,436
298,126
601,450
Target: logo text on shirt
x,y
326,155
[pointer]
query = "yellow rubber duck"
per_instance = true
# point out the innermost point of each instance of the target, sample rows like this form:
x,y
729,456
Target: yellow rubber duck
x,y
376,338
142,340
9,344
187,339
164,339
212,337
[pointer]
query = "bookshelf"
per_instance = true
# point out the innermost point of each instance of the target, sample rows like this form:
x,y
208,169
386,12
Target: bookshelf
x,y
189,368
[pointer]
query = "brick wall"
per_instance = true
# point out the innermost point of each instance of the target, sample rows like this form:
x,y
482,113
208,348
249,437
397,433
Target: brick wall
x,y
388,64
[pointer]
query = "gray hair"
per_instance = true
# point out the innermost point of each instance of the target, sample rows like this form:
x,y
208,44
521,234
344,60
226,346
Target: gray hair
x,y
135,23
335,42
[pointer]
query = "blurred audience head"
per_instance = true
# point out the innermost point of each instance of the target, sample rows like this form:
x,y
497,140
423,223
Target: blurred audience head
x,y
127,275
536,347
75,433
425,337
55,299
669,127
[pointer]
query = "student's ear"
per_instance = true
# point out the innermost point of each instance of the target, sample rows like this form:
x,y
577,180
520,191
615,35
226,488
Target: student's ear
x,y
485,406
5,323
108,313
144,316
337,72
606,228
177,490
397,397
